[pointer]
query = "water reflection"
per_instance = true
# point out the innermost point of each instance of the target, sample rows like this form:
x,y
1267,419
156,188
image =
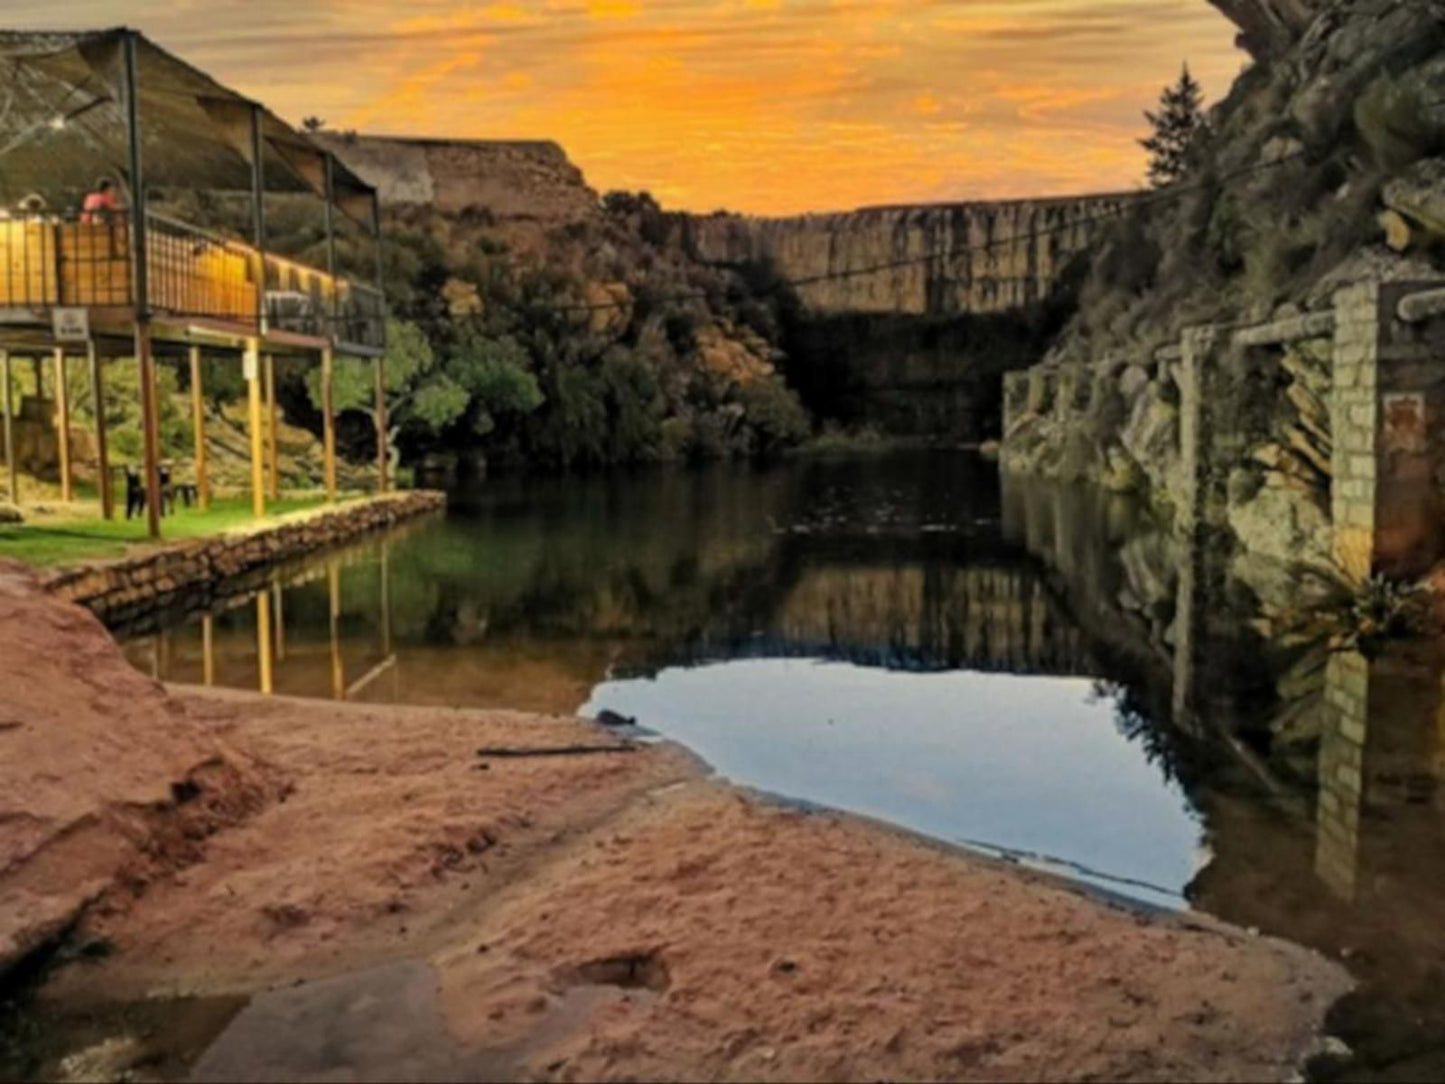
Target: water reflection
x,y
1029,667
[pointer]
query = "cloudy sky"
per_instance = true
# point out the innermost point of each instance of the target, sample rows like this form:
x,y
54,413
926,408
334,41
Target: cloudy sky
x,y
769,106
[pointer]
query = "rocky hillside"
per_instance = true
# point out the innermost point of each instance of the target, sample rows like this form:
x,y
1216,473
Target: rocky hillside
x,y
1323,167
562,328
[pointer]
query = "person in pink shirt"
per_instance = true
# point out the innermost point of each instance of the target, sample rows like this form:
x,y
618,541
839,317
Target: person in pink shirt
x,y
100,204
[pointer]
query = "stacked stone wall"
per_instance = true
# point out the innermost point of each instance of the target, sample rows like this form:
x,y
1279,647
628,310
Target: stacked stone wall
x,y
200,570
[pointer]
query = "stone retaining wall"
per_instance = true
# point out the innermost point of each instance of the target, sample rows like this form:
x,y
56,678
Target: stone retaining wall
x,y
1317,437
120,592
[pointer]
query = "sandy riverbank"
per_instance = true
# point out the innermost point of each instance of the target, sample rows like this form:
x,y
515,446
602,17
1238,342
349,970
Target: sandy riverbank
x,y
401,907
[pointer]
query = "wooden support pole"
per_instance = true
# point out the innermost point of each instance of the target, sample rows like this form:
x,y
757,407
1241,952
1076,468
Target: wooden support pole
x,y
381,453
62,426
333,592
102,452
252,368
140,284
198,425
7,400
208,650
151,423
266,673
273,435
328,419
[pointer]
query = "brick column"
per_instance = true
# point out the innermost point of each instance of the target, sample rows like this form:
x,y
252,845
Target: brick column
x,y
1354,402
1386,411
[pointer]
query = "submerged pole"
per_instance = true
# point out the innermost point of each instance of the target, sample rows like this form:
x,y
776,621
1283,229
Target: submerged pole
x,y
208,650
333,596
263,642
381,453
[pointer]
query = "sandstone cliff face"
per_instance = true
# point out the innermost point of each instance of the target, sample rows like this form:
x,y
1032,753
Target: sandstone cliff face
x,y
532,180
992,257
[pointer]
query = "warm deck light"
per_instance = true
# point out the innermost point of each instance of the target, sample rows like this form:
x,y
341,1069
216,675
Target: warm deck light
x,y
58,123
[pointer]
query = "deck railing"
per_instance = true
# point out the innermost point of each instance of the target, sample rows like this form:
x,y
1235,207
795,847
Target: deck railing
x,y
49,261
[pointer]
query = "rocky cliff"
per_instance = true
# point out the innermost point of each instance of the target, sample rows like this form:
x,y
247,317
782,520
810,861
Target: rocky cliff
x,y
990,257
1269,27
512,179
1321,171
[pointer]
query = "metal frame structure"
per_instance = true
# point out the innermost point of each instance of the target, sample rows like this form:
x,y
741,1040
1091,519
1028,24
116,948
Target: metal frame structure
x,y
153,286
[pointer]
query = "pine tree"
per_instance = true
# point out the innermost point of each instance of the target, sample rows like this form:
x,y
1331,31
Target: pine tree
x,y
1177,126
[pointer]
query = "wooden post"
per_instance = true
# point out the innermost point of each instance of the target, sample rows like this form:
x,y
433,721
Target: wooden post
x,y
328,419
140,284
198,424
102,453
62,425
273,437
151,424
263,641
208,650
333,592
381,455
252,366
7,400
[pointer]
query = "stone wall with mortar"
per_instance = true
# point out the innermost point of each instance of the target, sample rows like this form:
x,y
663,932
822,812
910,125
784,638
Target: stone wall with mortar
x,y
202,570
1315,438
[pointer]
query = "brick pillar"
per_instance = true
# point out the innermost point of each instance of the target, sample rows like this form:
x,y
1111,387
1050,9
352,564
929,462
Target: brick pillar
x,y
1386,411
1354,410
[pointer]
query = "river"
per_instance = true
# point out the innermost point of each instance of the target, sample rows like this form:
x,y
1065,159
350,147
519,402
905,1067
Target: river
x,y
1037,672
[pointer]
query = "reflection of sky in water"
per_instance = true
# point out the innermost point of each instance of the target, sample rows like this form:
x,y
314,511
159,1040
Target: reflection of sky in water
x,y
1025,763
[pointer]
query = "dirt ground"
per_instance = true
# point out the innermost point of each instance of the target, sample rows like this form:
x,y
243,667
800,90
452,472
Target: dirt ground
x,y
388,904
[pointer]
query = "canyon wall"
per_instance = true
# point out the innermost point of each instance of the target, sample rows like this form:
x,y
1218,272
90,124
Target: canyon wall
x,y
932,260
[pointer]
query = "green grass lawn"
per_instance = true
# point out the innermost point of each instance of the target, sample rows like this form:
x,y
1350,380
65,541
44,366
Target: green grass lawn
x,y
64,539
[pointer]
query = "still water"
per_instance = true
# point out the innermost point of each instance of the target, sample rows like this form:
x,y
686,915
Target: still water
x,y
1037,672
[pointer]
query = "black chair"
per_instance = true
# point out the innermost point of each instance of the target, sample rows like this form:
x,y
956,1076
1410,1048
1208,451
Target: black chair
x,y
135,492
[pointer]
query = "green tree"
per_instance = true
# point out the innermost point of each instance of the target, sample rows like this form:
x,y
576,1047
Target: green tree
x,y
1177,126
418,394
495,376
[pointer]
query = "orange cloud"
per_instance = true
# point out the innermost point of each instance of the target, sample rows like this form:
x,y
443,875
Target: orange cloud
x,y
772,106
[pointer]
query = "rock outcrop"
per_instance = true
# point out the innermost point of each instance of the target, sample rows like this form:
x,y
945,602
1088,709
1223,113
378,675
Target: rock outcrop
x,y
1269,27
512,179
991,257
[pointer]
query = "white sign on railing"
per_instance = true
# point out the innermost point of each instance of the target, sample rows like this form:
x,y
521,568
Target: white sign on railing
x,y
71,325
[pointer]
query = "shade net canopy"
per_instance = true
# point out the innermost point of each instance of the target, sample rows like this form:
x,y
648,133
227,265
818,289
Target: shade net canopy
x,y
62,127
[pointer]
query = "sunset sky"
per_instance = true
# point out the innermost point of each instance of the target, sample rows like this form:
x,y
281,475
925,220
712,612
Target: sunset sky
x,y
768,106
